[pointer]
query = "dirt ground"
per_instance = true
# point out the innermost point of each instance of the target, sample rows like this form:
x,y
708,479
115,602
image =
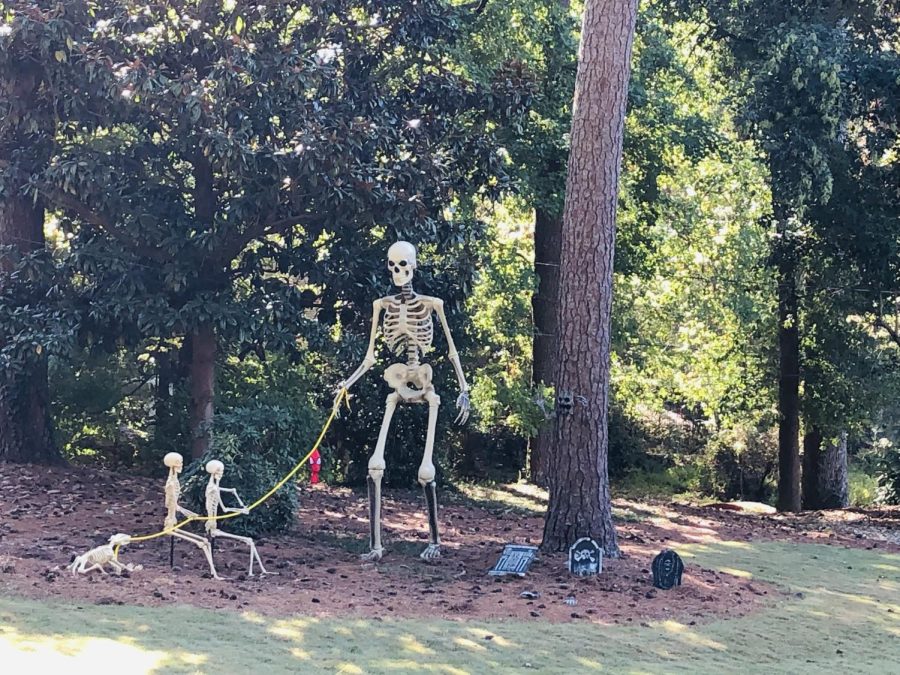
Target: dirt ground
x,y
47,516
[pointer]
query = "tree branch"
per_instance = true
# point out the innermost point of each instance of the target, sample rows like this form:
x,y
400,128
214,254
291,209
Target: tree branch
x,y
68,202
259,229
892,333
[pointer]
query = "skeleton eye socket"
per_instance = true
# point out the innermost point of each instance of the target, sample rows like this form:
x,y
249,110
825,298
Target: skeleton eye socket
x,y
402,263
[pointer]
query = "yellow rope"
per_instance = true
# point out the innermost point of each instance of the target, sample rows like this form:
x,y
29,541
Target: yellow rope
x,y
343,396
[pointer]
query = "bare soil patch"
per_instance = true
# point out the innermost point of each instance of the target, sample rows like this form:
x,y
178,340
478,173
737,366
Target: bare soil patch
x,y
47,516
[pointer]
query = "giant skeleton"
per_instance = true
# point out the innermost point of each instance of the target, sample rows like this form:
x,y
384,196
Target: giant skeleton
x,y
408,330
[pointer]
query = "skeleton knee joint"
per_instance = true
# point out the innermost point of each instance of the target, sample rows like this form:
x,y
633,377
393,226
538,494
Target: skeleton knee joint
x,y
426,474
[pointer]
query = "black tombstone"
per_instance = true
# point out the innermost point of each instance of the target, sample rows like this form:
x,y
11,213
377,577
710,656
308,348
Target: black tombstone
x,y
515,559
585,557
667,570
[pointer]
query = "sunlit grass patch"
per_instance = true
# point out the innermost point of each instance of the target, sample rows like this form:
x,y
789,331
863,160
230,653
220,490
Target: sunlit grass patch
x,y
840,611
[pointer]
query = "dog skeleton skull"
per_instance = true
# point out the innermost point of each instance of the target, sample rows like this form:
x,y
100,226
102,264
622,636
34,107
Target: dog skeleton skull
x,y
408,329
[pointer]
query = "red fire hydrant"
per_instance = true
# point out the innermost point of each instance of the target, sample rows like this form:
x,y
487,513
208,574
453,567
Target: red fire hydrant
x,y
315,465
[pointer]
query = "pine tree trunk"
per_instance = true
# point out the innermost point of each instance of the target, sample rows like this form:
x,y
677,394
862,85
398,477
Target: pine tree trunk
x,y
547,233
203,379
580,504
26,430
788,370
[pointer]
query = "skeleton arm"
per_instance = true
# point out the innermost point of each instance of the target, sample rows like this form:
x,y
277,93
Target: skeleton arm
x,y
369,359
229,509
186,512
462,402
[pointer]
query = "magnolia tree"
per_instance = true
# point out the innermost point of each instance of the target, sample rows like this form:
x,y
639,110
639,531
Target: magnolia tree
x,y
233,171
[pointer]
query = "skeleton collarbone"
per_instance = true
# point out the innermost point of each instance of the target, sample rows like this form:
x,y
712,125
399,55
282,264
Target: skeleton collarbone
x,y
408,329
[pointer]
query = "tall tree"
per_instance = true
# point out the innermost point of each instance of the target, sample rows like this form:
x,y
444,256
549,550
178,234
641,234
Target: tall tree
x,y
801,96
30,45
580,501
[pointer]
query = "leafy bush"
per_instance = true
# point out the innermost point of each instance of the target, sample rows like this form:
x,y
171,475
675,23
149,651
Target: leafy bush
x,y
863,488
259,444
741,464
888,472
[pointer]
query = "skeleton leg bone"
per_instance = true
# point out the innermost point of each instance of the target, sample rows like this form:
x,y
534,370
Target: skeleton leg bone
x,y
376,473
201,543
426,478
254,553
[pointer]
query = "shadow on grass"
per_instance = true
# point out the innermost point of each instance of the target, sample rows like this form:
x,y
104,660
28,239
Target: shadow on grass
x,y
842,613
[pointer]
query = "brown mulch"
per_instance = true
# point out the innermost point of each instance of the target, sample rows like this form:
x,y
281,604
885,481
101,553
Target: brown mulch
x,y
47,516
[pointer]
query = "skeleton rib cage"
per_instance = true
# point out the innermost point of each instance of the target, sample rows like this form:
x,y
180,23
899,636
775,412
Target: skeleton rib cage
x,y
408,327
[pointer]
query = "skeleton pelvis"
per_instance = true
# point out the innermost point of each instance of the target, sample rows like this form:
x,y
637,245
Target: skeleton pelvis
x,y
411,382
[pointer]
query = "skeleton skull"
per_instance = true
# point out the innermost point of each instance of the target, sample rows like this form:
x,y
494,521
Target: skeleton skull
x,y
565,402
120,539
215,468
174,461
401,262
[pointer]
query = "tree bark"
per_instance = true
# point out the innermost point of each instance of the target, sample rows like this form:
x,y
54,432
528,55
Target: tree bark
x,y
203,340
825,480
26,430
203,378
788,370
547,234
580,504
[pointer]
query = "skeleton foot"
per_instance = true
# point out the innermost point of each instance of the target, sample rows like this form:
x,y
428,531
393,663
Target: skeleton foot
x,y
374,555
433,552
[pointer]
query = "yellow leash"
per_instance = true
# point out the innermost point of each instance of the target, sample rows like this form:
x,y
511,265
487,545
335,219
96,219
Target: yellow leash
x,y
343,396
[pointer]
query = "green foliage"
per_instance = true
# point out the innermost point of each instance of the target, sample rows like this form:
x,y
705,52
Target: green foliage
x,y
741,463
268,424
887,466
863,488
500,332
682,480
103,405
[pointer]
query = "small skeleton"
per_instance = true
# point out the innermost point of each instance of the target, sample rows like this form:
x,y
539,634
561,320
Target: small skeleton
x,y
408,330
175,462
214,502
96,558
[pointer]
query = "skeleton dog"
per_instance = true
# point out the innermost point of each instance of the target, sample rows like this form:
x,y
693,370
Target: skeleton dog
x,y
96,558
408,330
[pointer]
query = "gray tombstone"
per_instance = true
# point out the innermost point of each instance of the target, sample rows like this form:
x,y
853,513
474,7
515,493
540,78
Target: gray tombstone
x,y
667,570
585,557
515,559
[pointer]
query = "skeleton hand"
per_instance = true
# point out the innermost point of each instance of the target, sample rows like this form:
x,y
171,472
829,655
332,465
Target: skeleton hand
x,y
462,404
339,392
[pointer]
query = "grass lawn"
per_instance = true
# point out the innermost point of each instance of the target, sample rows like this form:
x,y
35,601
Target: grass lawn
x,y
843,615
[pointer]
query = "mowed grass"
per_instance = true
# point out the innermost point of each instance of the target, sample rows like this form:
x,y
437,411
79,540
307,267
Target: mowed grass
x,y
842,615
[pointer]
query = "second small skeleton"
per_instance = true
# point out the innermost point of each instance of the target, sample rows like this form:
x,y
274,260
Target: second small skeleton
x,y
214,502
408,330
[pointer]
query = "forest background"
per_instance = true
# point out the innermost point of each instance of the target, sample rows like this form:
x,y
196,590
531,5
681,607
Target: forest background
x,y
199,197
